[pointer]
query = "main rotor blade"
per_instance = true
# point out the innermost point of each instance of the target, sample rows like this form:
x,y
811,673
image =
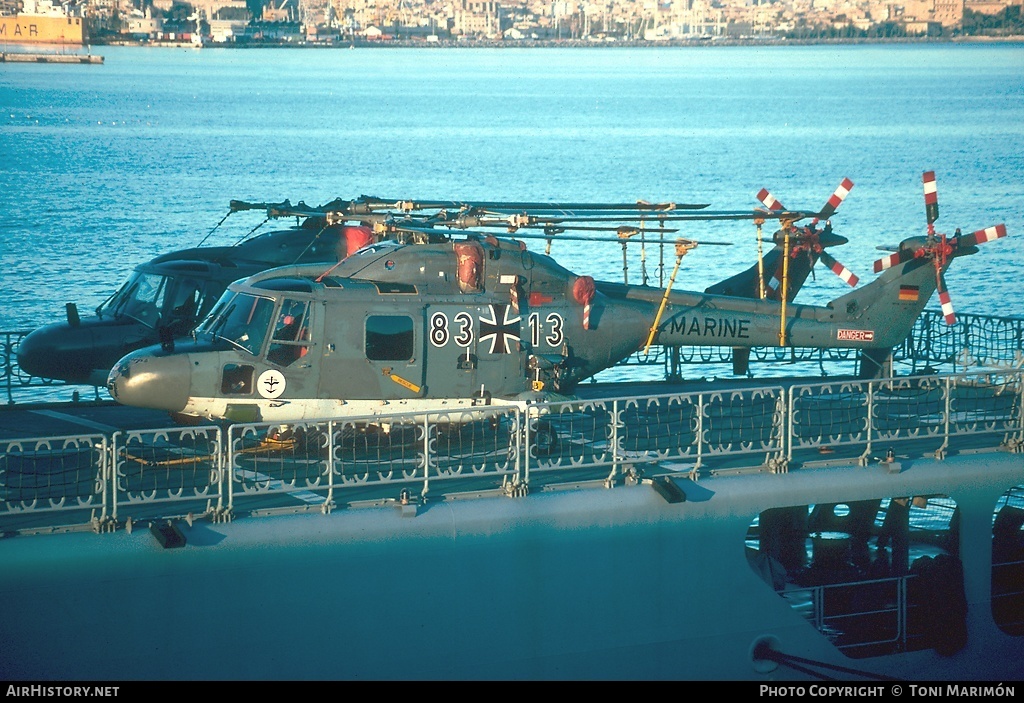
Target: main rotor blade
x,y
622,231
518,235
242,205
578,238
769,200
514,206
699,217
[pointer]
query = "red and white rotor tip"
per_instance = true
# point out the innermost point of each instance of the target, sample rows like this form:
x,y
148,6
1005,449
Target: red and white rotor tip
x,y
887,262
931,197
989,233
769,200
947,307
837,198
838,269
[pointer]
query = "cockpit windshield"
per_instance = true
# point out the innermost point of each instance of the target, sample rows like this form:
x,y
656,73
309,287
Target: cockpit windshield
x,y
157,300
241,319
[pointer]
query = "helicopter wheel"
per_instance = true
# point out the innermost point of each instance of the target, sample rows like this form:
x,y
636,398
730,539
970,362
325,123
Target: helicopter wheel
x,y
545,439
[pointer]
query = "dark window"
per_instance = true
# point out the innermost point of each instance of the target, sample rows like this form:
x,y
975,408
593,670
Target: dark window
x,y
237,380
389,338
392,287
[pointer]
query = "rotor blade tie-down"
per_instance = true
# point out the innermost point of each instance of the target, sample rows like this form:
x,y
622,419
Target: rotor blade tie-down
x,y
682,247
215,228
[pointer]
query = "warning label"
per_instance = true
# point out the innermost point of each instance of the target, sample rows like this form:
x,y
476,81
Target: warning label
x,y
856,335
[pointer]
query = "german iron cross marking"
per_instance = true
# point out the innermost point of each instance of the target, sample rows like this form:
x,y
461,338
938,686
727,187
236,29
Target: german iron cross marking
x,y
500,329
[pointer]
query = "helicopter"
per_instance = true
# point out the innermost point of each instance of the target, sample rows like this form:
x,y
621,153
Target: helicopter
x,y
430,323
166,297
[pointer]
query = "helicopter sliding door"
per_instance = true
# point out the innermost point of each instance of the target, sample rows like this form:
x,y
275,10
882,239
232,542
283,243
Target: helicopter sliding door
x,y
392,346
474,351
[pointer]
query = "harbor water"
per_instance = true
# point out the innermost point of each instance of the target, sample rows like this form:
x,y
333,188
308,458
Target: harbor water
x,y
105,166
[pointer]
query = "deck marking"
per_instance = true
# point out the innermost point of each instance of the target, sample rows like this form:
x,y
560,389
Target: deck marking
x,y
275,485
98,426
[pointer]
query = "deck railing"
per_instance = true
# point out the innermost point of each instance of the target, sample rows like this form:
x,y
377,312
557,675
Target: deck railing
x,y
106,482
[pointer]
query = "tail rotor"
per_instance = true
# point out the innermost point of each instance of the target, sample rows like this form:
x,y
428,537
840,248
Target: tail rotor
x,y
939,248
809,241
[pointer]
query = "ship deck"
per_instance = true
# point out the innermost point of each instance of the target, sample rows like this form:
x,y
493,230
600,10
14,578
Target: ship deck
x,y
97,465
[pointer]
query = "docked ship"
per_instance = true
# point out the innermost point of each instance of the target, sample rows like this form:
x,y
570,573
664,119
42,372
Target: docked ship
x,y
43,22
864,526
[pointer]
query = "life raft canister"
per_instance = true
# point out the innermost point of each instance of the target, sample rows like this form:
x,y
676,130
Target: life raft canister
x,y
470,257
356,237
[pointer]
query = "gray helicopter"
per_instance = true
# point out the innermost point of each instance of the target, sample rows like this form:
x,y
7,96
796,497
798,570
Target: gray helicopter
x,y
164,299
428,323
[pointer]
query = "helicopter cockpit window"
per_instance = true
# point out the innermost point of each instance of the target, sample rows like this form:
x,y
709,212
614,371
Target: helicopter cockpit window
x,y
242,320
141,298
389,338
183,305
290,340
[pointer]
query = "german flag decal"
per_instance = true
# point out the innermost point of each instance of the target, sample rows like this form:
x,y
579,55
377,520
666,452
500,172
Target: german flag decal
x,y
908,292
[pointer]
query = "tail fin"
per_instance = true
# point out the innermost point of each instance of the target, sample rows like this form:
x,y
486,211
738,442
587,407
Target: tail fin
x,y
889,306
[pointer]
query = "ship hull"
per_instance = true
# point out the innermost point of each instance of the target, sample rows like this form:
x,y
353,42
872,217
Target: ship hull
x,y
584,583
31,29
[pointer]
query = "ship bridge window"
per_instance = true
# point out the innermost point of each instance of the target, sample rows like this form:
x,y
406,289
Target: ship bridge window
x,y
389,338
242,321
291,337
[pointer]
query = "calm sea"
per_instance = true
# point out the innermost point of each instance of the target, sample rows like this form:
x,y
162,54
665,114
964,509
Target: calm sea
x,y
105,166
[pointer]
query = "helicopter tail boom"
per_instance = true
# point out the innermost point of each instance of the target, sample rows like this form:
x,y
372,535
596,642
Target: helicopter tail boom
x,y
878,315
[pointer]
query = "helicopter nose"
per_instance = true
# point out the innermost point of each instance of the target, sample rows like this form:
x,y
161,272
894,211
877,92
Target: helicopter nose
x,y
146,380
61,352
81,353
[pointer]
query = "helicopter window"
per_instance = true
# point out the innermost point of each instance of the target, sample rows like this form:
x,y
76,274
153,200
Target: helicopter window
x,y
290,340
391,287
237,380
184,305
389,338
297,284
141,298
242,321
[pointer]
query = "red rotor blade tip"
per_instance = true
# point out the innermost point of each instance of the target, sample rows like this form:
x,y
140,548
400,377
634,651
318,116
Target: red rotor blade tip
x,y
837,198
769,200
840,270
947,307
989,233
887,262
931,197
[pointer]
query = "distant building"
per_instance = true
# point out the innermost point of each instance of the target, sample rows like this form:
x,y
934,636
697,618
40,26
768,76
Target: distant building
x,y
142,25
945,13
989,7
923,29
478,17
209,8
223,31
